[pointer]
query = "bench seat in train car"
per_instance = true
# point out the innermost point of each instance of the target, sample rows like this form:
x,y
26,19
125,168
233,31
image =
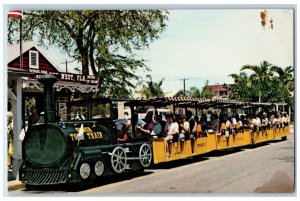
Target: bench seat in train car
x,y
262,136
183,149
233,140
281,132
286,131
205,144
178,150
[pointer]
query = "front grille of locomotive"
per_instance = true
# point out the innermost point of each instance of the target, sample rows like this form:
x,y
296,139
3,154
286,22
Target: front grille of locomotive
x,y
44,146
40,177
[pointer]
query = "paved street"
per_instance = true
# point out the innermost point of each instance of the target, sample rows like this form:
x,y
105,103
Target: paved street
x,y
267,168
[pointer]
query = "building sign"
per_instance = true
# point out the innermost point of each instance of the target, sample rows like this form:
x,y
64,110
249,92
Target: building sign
x,y
69,77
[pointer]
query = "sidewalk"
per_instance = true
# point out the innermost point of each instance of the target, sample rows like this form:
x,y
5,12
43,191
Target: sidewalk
x,y
13,184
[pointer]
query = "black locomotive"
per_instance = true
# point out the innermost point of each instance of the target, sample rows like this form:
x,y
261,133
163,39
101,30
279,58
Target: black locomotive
x,y
78,150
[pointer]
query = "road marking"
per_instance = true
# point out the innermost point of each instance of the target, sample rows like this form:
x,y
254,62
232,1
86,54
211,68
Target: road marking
x,y
94,190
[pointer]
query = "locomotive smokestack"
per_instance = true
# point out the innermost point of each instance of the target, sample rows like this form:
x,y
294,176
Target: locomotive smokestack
x,y
48,82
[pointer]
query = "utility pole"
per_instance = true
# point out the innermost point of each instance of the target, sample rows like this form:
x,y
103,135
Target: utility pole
x,y
184,79
67,64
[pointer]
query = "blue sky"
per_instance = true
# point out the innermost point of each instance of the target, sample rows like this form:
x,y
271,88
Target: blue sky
x,y
210,44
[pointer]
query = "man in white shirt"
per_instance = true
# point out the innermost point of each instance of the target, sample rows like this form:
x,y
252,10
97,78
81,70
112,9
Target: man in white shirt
x,y
171,129
264,121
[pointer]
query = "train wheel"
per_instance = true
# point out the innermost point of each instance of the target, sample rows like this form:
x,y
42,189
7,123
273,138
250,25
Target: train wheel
x,y
99,168
85,170
118,160
145,155
283,138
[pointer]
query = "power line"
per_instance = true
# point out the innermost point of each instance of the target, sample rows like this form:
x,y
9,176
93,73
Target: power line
x,y
184,79
197,78
67,62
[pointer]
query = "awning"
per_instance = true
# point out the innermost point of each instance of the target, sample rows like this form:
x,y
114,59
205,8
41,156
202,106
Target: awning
x,y
31,84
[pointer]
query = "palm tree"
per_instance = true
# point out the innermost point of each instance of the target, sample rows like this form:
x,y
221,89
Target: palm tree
x,y
152,89
261,77
240,90
284,80
285,76
194,92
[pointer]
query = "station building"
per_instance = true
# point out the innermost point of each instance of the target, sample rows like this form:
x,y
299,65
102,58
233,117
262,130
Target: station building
x,y
24,90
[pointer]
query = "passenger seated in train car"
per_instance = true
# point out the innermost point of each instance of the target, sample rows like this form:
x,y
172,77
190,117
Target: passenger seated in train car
x,y
240,124
204,124
193,124
235,124
243,120
227,124
264,121
196,118
152,126
253,124
280,123
258,122
184,128
271,120
248,121
285,119
157,130
275,122
147,127
171,129
122,127
215,123
135,120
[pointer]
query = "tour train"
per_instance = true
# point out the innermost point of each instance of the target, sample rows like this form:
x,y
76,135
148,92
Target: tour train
x,y
79,150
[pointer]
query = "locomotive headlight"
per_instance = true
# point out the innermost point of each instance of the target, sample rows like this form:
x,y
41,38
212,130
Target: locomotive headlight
x,y
85,170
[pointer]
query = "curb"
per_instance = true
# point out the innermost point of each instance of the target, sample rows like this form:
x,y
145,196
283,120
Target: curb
x,y
15,185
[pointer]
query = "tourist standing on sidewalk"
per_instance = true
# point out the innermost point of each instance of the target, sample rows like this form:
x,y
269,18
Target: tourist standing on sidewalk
x,y
10,135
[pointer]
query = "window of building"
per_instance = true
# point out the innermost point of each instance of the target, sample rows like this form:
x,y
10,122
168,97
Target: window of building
x,y
223,93
33,59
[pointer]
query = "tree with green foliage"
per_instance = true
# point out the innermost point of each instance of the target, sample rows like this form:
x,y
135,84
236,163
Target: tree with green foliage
x,y
152,89
241,89
267,83
285,75
194,92
260,79
103,40
284,80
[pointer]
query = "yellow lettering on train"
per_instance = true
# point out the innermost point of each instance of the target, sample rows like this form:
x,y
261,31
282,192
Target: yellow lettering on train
x,y
88,129
89,132
72,137
89,135
98,135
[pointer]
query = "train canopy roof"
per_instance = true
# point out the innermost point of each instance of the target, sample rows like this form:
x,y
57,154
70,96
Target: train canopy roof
x,y
216,102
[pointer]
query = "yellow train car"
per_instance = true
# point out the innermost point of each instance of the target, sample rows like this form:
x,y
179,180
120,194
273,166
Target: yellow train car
x,y
183,149
210,141
282,132
232,140
270,134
